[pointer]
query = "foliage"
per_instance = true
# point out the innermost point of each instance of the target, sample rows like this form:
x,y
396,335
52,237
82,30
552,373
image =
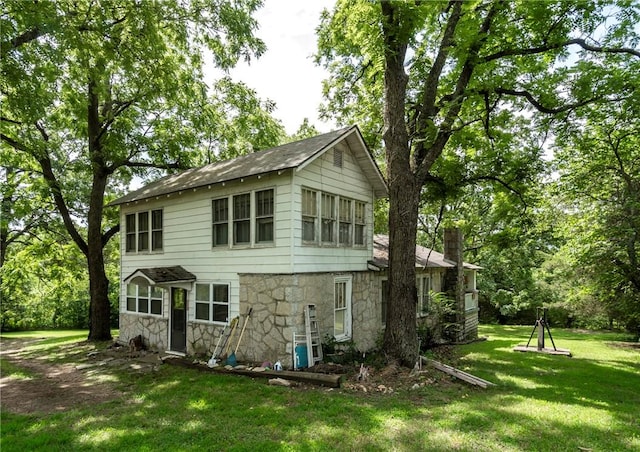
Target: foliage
x,y
541,401
598,163
452,89
95,96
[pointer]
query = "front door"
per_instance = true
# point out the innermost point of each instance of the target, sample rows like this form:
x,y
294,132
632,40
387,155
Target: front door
x,y
178,319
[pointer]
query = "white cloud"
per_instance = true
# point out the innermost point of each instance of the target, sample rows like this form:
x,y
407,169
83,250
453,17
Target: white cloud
x,y
285,73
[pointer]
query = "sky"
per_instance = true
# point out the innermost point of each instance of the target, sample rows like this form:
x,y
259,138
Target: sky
x,y
286,73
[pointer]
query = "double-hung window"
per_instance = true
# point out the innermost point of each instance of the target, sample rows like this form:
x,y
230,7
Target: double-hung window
x,y
242,219
342,308
344,228
264,216
309,215
328,209
212,302
144,231
424,288
245,219
144,299
359,223
220,208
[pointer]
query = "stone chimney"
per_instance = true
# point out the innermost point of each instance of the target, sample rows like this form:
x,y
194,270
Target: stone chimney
x,y
454,277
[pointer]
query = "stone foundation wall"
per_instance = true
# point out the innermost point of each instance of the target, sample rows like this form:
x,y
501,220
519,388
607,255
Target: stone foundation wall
x,y
278,303
154,330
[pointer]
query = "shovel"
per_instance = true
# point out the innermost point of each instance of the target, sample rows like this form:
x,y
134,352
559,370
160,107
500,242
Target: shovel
x,y
231,360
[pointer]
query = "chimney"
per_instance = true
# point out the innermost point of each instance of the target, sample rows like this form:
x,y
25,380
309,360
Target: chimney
x,y
454,277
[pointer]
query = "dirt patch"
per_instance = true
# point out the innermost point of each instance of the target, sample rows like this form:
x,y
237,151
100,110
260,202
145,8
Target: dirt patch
x,y
43,387
627,345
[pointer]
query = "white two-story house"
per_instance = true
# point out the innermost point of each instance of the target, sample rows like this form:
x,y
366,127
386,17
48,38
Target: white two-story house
x,y
272,232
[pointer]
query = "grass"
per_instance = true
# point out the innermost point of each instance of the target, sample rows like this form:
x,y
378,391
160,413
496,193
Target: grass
x,y
590,401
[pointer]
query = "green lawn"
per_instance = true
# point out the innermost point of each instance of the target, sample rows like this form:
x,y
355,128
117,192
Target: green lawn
x,y
588,402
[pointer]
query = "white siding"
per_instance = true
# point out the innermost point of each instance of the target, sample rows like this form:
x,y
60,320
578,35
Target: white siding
x,y
348,181
187,238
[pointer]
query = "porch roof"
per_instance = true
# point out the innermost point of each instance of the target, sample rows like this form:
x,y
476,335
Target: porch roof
x,y
425,257
160,276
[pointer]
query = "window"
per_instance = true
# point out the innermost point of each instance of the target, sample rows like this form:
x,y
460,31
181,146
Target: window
x,y
344,232
233,219
242,219
220,222
360,222
143,231
342,308
130,225
144,299
309,215
143,234
156,230
264,216
328,217
212,302
342,220
424,288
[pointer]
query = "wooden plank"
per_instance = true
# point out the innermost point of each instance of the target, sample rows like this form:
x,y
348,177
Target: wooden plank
x,y
462,375
328,380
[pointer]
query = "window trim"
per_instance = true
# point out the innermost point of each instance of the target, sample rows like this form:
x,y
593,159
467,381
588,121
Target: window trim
x,y
424,297
336,216
211,303
346,282
134,238
253,220
149,299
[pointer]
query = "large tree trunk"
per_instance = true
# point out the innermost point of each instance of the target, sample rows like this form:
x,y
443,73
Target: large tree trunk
x,y
400,336
100,307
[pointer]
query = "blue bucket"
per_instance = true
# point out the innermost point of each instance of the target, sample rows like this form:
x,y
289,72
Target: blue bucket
x,y
301,356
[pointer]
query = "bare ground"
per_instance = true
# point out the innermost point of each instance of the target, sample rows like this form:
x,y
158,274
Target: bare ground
x,y
43,387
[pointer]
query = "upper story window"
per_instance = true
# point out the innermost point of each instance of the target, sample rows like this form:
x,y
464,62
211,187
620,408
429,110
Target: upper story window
x,y
220,210
144,299
264,216
345,217
341,220
309,215
244,219
143,231
328,218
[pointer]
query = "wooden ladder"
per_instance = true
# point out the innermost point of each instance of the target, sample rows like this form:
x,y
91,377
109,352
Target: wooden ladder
x,y
314,347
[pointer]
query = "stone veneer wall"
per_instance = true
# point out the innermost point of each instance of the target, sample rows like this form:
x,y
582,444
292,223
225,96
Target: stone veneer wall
x,y
154,330
278,303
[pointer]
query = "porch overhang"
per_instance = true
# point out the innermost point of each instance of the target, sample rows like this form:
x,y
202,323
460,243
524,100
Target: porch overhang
x,y
175,276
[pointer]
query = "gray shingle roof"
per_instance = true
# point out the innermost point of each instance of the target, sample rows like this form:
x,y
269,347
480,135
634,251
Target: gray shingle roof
x,y
291,155
163,275
425,257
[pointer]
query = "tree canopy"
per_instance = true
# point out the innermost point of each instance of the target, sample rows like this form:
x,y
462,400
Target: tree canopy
x,y
97,93
451,90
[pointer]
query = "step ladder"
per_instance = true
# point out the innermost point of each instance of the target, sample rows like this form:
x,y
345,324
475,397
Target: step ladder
x,y
314,347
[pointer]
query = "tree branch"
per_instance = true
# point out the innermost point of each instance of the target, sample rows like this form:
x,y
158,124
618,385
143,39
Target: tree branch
x,y
27,36
110,233
545,48
538,106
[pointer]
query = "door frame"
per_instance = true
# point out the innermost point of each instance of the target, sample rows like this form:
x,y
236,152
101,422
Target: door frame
x,y
172,293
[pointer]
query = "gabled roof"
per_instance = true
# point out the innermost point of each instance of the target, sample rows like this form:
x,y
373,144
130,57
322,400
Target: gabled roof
x,y
425,257
160,275
288,156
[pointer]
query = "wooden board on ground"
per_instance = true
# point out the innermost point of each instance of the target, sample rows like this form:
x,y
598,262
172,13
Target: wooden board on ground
x,y
328,380
462,375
